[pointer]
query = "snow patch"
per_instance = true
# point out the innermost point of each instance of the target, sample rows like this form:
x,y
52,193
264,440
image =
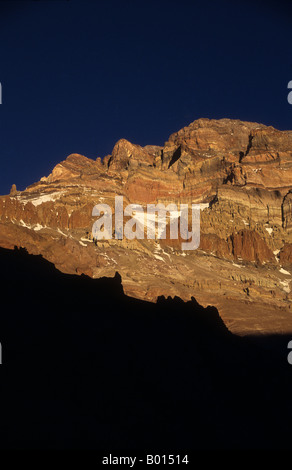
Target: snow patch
x,y
284,272
36,201
159,257
158,249
23,224
35,227
38,227
108,258
286,287
62,233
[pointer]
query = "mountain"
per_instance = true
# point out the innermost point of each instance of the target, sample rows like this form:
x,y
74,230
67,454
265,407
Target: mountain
x,y
241,175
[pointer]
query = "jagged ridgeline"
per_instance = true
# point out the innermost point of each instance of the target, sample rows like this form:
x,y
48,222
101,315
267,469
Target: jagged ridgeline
x,y
239,172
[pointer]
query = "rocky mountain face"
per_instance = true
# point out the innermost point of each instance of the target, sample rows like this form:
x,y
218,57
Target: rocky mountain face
x,y
241,175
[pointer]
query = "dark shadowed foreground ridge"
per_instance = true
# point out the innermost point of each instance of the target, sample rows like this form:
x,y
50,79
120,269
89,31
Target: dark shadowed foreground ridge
x,y
85,366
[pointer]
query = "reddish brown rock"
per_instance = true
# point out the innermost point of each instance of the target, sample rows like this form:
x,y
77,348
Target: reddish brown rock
x,y
13,190
240,173
285,256
126,155
249,246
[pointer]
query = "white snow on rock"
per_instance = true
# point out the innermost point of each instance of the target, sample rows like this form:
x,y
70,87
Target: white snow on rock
x,y
286,287
35,227
36,201
284,272
158,249
159,257
38,227
62,233
108,258
23,224
237,265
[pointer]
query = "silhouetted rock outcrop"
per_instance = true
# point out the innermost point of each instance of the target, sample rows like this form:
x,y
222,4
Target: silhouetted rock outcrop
x,y
85,366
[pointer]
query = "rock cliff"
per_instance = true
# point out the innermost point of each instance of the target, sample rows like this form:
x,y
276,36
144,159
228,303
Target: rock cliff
x,y
241,175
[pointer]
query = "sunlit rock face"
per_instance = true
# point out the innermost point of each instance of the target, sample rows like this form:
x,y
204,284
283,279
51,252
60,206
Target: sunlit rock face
x,y
241,175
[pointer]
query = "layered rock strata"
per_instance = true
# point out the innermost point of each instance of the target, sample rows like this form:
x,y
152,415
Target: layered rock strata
x,y
241,175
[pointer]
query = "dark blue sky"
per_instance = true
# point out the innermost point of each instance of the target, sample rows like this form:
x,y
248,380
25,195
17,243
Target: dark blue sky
x,y
79,75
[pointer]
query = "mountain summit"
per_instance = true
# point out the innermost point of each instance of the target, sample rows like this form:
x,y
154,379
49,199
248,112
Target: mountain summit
x,y
241,175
